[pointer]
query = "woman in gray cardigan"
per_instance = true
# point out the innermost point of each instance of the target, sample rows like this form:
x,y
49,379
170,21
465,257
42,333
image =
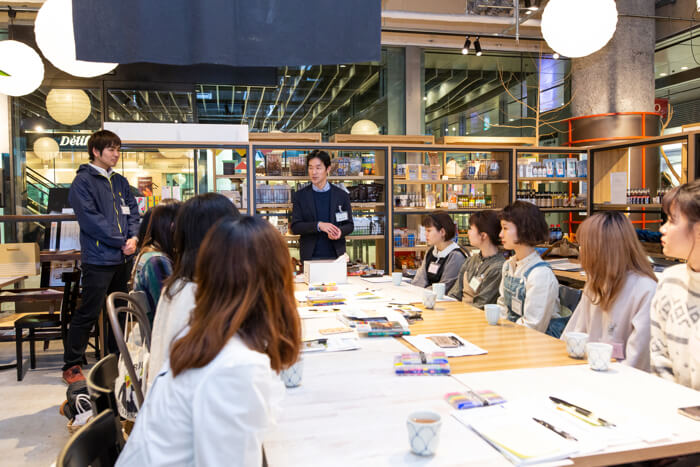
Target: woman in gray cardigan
x,y
444,258
480,276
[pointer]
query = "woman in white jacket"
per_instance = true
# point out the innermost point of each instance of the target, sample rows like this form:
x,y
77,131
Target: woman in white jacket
x,y
214,399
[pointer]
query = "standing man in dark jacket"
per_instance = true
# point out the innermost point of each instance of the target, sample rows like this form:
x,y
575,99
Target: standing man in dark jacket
x,y
321,214
109,221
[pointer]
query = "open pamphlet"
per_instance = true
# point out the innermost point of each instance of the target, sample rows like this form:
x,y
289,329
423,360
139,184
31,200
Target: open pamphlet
x,y
376,322
327,334
448,342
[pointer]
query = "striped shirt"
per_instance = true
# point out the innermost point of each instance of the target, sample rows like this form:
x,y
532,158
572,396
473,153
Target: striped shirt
x,y
675,326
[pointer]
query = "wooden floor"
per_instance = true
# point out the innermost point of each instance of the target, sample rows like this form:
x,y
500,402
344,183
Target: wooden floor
x,y
509,345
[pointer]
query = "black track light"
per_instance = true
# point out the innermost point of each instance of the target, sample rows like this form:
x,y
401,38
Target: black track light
x,y
477,47
465,49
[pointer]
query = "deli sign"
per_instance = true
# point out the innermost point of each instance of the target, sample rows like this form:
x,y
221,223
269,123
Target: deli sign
x,y
74,142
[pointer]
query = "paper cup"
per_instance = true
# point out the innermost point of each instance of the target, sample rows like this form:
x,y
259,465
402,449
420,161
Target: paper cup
x,y
424,432
292,375
397,278
493,313
429,298
599,355
576,344
439,289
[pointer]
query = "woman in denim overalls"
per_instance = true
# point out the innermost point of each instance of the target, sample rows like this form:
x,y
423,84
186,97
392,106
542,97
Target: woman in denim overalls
x,y
529,290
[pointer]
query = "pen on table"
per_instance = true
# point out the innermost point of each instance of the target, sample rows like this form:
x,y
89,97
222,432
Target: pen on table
x,y
585,412
561,433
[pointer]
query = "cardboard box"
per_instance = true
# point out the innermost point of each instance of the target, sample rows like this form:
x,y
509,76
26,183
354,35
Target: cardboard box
x,y
324,271
19,259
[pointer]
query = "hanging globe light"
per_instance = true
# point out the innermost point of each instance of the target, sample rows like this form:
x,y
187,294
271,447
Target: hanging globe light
x,y
578,28
46,148
22,66
53,29
364,127
68,106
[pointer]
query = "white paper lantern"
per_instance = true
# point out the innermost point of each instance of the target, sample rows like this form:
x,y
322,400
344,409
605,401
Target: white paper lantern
x,y
576,28
68,106
46,148
53,29
24,67
364,127
175,153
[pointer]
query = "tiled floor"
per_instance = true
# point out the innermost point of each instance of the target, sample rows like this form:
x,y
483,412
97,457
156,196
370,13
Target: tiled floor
x,y
32,431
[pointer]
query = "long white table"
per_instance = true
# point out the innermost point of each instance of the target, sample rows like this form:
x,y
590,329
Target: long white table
x,y
351,409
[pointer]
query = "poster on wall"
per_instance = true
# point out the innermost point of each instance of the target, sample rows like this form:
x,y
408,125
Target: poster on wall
x,y
145,186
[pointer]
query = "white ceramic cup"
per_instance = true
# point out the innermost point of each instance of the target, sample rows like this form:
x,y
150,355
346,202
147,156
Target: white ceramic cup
x,y
439,289
576,344
493,313
292,375
397,278
424,432
429,298
599,355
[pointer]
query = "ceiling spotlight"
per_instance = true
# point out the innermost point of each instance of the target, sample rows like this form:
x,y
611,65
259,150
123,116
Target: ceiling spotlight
x,y
465,48
477,47
555,56
684,68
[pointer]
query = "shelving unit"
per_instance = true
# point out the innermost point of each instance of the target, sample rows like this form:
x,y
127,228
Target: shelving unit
x,y
564,180
272,192
641,164
458,179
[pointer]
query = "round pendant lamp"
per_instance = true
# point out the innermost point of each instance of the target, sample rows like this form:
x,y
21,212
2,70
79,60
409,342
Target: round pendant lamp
x,y
578,28
46,148
23,66
364,127
53,29
68,106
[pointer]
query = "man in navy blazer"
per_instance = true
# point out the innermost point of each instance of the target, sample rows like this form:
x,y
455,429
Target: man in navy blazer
x,y
321,214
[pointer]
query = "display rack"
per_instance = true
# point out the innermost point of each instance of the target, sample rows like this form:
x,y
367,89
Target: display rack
x,y
457,179
555,180
280,170
642,165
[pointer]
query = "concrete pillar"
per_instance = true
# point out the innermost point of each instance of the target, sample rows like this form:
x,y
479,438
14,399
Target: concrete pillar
x,y
620,76
415,106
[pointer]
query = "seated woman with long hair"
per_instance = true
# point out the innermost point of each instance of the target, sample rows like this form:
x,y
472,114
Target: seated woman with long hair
x,y
154,263
620,285
214,400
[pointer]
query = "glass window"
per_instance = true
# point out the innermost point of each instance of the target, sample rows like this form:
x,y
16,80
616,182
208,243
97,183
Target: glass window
x,y
319,98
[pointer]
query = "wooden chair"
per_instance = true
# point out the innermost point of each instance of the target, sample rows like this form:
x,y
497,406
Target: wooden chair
x,y
47,326
139,314
95,444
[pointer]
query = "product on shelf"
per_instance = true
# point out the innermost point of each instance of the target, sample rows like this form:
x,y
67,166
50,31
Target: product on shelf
x,y
555,233
660,193
273,164
366,193
372,225
548,199
297,165
368,164
478,200
551,168
643,196
481,169
409,200
404,238
273,194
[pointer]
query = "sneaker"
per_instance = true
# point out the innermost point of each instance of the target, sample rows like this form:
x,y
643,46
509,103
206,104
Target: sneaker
x,y
73,374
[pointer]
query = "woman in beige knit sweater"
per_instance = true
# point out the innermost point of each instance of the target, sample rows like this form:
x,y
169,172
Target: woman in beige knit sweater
x,y
619,288
675,310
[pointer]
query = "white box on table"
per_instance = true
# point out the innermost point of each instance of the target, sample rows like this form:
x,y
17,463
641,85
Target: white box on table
x,y
325,271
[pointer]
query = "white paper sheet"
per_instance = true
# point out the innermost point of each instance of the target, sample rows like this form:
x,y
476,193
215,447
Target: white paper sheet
x,y
618,187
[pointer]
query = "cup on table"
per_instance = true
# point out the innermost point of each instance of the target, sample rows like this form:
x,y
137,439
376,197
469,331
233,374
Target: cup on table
x,y
439,289
493,313
599,355
397,278
292,375
429,299
576,344
424,432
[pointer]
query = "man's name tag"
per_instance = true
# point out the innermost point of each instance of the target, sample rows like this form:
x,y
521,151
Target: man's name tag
x,y
433,268
125,210
475,283
341,216
517,306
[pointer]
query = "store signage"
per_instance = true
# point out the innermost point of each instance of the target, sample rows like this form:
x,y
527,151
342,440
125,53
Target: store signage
x,y
204,95
73,141
661,106
66,141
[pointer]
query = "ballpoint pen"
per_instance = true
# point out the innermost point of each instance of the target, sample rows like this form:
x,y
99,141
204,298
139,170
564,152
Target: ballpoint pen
x,y
561,433
586,413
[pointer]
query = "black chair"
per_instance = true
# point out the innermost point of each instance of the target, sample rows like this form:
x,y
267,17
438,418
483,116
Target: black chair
x,y
47,326
569,297
100,384
96,444
139,314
